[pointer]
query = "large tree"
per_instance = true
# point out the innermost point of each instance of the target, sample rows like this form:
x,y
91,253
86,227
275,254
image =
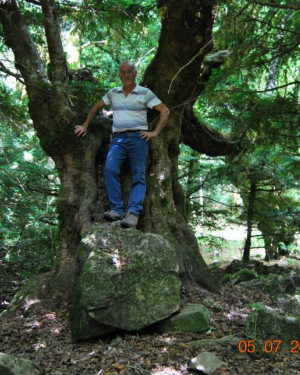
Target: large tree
x,y
186,37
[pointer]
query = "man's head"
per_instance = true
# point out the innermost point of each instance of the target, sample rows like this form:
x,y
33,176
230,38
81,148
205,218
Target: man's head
x,y
127,73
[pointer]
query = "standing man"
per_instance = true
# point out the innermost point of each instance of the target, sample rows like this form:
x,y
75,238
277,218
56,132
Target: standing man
x,y
130,140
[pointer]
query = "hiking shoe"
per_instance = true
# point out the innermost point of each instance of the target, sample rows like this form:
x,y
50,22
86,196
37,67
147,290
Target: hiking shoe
x,y
112,216
130,220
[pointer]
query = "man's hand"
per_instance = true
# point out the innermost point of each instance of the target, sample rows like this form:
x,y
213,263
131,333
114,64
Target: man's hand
x,y
80,130
148,135
163,117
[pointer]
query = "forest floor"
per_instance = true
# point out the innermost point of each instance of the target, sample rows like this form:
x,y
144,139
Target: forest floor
x,y
44,337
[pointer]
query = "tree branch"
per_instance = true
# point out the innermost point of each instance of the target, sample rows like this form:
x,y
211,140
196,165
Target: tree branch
x,y
292,6
27,58
7,71
33,2
203,139
56,52
106,20
59,73
280,28
296,82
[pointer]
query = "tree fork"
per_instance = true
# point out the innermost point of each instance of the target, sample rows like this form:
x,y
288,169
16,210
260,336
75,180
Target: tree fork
x,y
80,167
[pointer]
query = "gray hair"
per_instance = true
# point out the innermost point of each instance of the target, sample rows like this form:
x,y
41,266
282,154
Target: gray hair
x,y
128,62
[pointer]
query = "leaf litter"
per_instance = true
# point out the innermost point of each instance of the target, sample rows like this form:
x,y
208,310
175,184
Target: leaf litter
x,y
45,338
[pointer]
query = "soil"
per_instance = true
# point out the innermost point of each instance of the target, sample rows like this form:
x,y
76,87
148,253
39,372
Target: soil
x,y
44,337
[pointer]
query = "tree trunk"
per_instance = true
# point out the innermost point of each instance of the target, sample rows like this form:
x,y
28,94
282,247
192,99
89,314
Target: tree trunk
x,y
172,76
185,39
250,215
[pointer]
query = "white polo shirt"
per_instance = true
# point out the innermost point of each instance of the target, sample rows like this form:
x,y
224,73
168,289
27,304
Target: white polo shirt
x,y
130,112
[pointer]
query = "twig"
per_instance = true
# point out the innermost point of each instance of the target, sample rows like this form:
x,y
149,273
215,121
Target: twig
x,y
187,64
261,91
4,69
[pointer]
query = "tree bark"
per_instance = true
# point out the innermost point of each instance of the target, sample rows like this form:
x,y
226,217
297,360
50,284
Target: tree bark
x,y
184,41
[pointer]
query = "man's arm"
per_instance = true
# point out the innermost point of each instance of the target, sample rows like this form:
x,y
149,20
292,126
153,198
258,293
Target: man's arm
x,y
163,117
81,130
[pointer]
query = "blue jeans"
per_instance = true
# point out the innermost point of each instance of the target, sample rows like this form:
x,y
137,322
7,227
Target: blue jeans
x,y
123,146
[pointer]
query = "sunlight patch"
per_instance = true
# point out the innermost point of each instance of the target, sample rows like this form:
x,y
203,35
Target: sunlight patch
x,y
27,156
90,240
161,176
116,260
40,346
29,302
168,371
33,325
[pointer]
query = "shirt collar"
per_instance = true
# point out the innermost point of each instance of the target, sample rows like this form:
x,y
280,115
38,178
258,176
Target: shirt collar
x,y
135,90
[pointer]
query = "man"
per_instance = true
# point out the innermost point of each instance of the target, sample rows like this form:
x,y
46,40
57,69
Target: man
x,y
130,136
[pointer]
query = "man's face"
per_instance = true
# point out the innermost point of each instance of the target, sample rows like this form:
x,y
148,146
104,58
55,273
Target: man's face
x,y
127,73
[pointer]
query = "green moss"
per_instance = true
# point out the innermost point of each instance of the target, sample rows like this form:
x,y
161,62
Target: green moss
x,y
239,276
226,278
244,275
192,318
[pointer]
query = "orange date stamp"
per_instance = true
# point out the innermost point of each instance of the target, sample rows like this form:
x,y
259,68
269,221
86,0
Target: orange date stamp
x,y
268,346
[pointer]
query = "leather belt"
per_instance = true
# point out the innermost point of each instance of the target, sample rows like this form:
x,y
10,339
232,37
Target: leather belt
x,y
128,131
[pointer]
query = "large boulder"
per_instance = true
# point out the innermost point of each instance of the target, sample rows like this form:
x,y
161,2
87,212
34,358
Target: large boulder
x,y
128,280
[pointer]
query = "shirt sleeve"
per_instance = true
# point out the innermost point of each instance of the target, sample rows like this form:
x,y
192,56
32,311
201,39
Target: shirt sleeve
x,y
106,98
151,99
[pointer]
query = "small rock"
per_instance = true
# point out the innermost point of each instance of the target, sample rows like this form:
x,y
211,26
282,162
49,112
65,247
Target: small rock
x,y
192,318
205,363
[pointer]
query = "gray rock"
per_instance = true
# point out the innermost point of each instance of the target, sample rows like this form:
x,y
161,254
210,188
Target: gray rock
x,y
11,365
192,318
205,363
128,280
270,324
